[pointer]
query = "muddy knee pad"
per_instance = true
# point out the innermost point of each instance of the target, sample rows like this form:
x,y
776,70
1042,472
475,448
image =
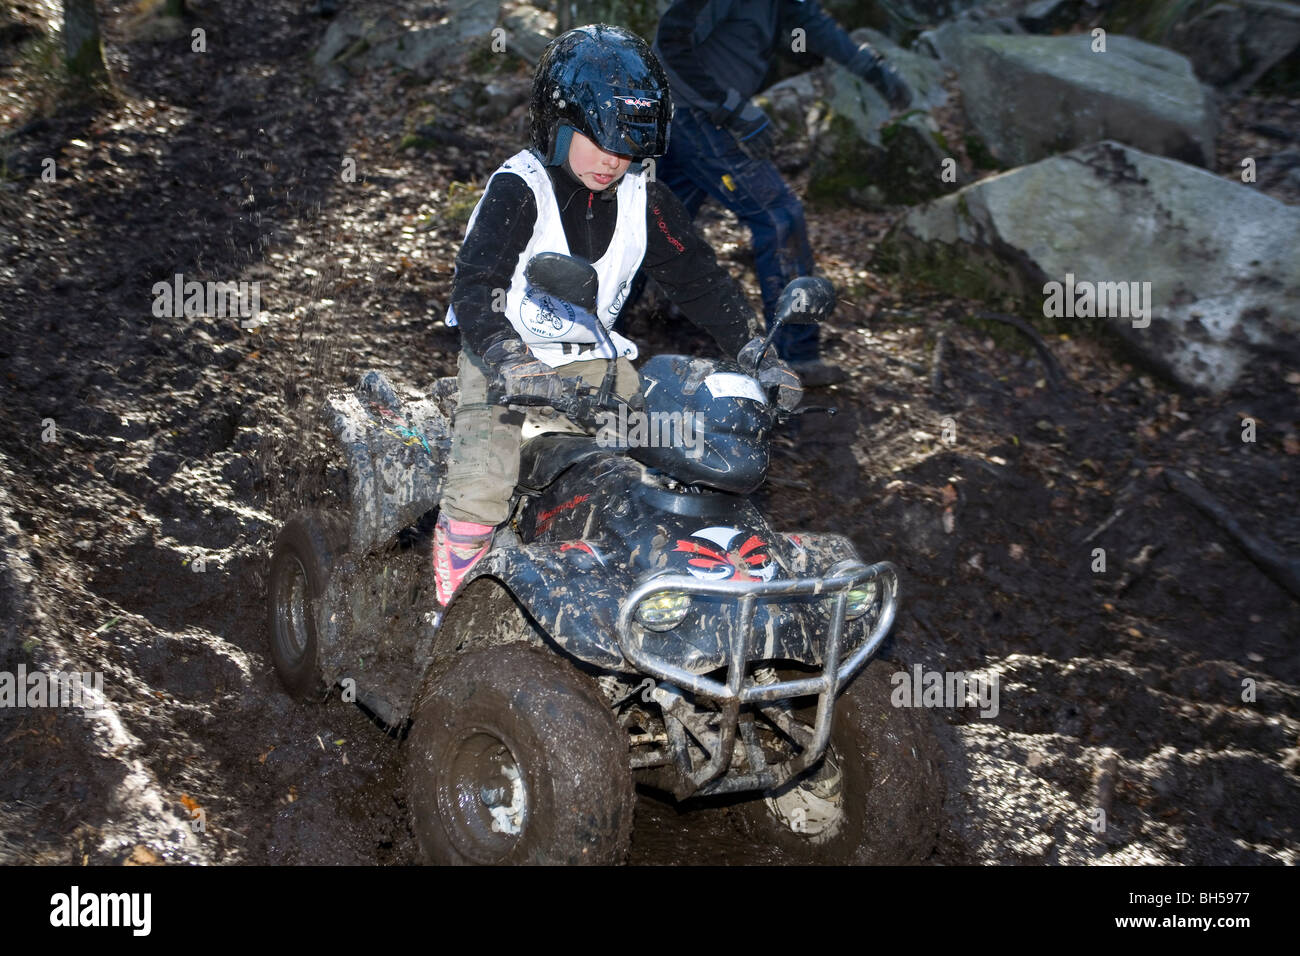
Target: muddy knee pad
x,y
483,466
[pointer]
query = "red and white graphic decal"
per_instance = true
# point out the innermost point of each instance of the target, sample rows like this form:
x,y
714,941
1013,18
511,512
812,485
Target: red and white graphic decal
x,y
722,553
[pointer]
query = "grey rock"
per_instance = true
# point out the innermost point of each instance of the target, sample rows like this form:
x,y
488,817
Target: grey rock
x,y
1231,45
354,43
1219,256
1044,16
1029,97
945,42
528,31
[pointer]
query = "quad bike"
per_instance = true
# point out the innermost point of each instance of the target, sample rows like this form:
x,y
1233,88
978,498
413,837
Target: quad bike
x,y
636,621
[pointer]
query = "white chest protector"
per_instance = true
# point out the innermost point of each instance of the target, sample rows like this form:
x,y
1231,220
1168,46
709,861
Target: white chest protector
x,y
553,330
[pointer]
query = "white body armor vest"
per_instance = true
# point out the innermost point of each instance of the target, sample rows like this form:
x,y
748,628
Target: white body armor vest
x,y
555,330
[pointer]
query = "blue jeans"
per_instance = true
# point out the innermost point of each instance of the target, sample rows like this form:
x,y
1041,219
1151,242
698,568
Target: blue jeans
x,y
703,160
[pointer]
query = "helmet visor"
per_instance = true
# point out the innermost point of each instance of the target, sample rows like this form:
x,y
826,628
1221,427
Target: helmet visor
x,y
634,124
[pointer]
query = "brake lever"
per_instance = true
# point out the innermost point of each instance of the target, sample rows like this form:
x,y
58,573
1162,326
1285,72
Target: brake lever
x,y
784,416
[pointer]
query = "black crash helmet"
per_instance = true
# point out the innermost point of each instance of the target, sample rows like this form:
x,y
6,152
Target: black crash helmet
x,y
607,84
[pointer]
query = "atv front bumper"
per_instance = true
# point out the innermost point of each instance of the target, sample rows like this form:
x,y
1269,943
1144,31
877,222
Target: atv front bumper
x,y
715,775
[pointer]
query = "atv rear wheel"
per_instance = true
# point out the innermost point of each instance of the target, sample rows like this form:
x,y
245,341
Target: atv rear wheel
x,y
875,797
514,757
305,554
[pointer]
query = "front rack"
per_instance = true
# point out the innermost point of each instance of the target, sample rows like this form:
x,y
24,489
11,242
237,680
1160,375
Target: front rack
x,y
738,690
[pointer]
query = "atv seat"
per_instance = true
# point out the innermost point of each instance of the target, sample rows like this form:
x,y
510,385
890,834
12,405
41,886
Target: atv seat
x,y
544,458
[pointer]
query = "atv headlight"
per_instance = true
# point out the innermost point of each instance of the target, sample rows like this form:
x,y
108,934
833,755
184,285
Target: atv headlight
x,y
663,611
860,600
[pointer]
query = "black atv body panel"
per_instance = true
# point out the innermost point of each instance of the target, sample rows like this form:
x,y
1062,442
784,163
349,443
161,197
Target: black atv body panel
x,y
608,521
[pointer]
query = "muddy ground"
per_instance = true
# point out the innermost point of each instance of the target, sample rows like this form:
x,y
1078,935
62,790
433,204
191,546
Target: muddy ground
x,y
184,441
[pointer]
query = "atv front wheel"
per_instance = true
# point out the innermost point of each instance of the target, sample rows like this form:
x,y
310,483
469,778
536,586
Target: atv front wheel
x,y
875,797
305,554
513,757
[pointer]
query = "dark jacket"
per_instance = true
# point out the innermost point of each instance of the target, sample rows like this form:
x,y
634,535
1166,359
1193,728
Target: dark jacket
x,y
710,48
676,257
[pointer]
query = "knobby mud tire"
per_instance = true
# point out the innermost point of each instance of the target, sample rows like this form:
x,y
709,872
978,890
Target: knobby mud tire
x,y
892,780
547,723
305,554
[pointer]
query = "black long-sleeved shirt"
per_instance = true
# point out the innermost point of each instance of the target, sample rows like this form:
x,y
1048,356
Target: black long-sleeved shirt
x,y
676,257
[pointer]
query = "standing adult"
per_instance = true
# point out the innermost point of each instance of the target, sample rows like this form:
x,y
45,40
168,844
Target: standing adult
x,y
716,54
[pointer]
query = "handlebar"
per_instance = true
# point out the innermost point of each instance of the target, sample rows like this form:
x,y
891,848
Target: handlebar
x,y
582,406
586,402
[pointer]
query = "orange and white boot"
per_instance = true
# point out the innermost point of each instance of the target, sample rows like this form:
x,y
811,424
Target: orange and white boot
x,y
457,547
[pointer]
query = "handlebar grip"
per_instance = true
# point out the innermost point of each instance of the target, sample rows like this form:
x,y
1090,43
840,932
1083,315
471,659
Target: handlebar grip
x,y
532,401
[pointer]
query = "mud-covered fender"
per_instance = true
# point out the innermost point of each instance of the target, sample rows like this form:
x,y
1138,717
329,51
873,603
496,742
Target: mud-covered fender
x,y
569,589
395,452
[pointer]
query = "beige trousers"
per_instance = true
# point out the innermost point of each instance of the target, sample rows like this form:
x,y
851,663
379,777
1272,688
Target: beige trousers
x,y
484,465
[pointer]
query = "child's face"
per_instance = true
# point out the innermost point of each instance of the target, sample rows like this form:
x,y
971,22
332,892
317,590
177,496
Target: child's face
x,y
592,165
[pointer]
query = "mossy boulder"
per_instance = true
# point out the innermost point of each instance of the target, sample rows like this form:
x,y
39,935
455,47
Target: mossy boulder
x,y
1197,273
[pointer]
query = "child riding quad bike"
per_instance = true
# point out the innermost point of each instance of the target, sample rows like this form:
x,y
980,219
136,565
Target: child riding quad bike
x,y
636,621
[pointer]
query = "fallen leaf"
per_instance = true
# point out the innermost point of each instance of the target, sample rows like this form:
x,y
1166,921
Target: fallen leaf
x,y
143,856
293,794
189,803
1291,445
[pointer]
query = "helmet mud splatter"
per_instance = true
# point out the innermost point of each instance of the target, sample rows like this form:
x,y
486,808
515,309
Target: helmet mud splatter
x,y
607,84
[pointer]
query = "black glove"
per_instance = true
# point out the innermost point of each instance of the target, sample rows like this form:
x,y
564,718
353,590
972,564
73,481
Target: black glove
x,y
748,123
517,372
869,65
773,371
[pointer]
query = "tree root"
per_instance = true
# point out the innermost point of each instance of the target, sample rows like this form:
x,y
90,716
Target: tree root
x,y
1270,559
1055,374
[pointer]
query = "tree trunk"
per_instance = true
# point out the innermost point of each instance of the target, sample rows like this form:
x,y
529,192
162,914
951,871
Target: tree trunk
x,y
83,47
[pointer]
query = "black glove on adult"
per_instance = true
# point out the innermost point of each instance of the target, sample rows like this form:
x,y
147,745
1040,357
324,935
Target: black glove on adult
x,y
773,371
869,65
518,372
748,123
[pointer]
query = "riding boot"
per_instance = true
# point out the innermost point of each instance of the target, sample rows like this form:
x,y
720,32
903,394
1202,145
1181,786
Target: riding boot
x,y
457,547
